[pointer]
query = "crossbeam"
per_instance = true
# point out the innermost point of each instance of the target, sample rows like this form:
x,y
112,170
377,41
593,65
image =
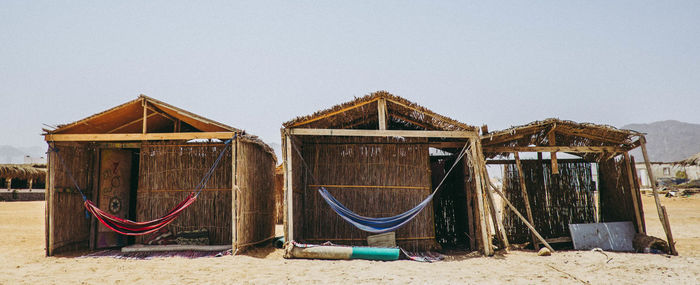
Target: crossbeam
x,y
138,137
607,149
383,133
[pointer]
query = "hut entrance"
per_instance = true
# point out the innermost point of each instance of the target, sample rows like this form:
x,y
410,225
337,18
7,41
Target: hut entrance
x,y
451,225
118,180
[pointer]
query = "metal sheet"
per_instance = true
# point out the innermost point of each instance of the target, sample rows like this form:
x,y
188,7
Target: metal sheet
x,y
614,236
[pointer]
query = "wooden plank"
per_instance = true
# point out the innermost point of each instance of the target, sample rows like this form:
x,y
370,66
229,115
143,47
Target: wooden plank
x,y
553,149
670,234
553,154
383,133
659,209
523,190
487,248
381,111
94,182
290,190
139,137
633,194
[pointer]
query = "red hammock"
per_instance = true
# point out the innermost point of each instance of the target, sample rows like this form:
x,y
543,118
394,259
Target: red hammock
x,y
131,228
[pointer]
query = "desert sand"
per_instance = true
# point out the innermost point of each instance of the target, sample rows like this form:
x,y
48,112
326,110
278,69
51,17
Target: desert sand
x,y
22,261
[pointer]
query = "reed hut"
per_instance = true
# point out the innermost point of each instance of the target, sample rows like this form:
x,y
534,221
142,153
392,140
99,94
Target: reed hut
x,y
23,176
140,159
556,192
373,154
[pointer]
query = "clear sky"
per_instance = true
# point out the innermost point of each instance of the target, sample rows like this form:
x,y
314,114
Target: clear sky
x,y
255,65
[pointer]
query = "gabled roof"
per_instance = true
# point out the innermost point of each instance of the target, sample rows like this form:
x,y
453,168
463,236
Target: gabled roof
x,y
566,133
362,113
128,118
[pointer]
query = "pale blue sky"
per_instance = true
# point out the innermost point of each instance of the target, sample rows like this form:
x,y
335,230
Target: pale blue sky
x,y
255,65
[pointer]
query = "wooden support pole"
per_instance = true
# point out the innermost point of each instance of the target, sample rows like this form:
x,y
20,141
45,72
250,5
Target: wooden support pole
x,y
498,223
553,155
517,213
8,183
290,189
657,200
381,110
234,194
31,181
633,194
526,199
487,248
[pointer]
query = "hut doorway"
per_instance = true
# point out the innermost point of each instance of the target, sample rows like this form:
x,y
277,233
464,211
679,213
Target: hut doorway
x,y
451,225
118,181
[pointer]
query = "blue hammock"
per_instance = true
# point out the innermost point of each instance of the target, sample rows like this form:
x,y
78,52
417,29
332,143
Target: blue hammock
x,y
373,225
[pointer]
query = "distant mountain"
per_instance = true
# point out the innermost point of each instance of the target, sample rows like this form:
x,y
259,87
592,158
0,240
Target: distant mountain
x,y
668,141
13,154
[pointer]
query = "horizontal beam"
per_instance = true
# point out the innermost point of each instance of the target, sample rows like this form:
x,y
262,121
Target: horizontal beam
x,y
138,137
499,149
383,133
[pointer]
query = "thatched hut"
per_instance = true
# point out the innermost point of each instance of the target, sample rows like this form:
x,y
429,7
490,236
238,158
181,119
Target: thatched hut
x,y
22,176
556,192
373,154
140,159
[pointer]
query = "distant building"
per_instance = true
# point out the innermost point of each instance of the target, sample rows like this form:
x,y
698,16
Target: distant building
x,y
666,172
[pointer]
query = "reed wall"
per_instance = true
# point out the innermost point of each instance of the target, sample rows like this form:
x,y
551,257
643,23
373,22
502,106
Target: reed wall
x,y
255,194
169,171
69,227
616,194
555,200
375,177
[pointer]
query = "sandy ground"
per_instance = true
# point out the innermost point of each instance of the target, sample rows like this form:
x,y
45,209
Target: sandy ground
x,y
22,261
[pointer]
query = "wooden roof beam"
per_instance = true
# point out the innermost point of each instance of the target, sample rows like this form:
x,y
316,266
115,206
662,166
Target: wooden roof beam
x,y
383,133
573,149
139,137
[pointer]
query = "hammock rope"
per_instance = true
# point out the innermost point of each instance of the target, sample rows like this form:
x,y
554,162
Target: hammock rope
x,y
382,224
132,228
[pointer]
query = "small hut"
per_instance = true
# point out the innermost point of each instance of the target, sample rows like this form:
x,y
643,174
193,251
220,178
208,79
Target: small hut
x,y
555,192
140,159
23,176
381,155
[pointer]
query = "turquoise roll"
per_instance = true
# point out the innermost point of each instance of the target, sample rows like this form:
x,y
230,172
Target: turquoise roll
x,y
375,253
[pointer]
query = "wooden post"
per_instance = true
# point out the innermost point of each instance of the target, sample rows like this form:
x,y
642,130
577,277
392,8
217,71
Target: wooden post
x,y
31,182
145,117
633,193
49,196
523,190
94,172
234,193
290,190
517,213
480,203
553,155
659,209
8,183
498,224
381,110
